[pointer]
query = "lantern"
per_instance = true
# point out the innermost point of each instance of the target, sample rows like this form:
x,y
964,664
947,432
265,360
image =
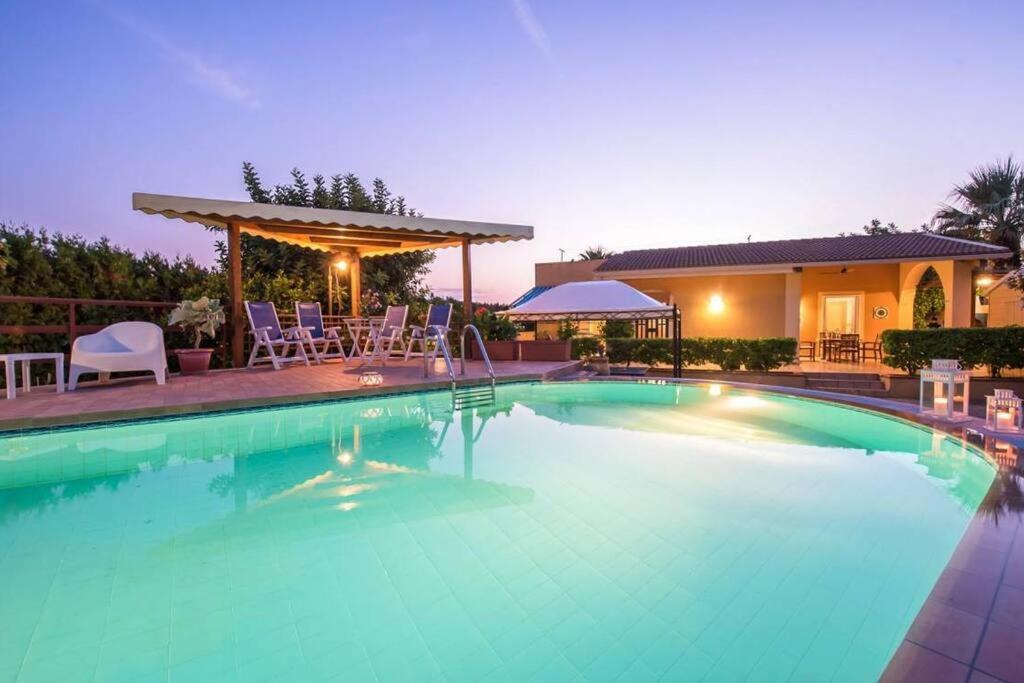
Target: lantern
x,y
944,376
1003,412
371,379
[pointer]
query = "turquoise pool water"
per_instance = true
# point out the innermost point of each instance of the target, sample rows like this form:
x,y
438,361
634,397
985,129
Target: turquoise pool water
x,y
573,531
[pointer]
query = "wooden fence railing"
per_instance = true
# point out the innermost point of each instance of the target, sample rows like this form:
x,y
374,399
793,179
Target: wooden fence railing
x,y
72,328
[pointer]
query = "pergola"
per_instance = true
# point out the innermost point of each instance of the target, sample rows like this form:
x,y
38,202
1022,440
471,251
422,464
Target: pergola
x,y
350,235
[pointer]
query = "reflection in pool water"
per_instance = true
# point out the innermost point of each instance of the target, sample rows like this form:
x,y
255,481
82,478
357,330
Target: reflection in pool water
x,y
595,529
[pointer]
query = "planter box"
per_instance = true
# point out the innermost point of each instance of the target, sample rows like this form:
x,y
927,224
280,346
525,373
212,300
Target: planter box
x,y
496,350
545,350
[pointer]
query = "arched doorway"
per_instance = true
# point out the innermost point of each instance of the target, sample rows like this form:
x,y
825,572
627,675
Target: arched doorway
x,y
929,301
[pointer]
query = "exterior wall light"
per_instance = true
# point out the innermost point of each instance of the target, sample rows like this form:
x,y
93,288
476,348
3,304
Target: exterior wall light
x,y
341,265
716,304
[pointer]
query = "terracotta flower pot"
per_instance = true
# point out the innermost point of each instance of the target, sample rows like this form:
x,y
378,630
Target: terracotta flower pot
x,y
496,350
194,361
542,350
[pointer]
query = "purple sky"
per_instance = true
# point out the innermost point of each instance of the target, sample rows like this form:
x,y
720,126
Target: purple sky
x,y
625,124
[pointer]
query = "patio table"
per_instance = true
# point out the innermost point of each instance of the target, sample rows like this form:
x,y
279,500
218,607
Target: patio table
x,y
11,359
357,328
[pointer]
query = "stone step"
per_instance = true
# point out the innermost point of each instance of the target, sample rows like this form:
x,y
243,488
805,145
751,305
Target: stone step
x,y
836,384
843,375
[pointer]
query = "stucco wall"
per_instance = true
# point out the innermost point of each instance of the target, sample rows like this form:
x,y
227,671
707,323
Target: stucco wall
x,y
560,272
1004,307
879,284
754,305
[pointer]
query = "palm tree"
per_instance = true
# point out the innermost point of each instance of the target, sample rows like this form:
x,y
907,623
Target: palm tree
x,y
594,253
989,207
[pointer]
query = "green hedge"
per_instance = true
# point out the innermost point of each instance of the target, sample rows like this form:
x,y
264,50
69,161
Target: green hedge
x,y
756,355
586,346
997,347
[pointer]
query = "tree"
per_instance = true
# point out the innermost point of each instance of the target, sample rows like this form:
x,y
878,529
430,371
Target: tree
x,y
875,228
594,253
988,207
283,273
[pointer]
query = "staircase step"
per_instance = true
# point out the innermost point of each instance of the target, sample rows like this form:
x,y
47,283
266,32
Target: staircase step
x,y
842,375
845,384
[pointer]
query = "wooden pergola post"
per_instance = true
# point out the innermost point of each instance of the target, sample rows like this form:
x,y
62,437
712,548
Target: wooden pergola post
x,y
467,284
235,295
355,271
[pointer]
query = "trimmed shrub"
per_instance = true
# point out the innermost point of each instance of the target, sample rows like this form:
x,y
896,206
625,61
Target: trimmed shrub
x,y
997,347
586,346
769,353
620,350
729,354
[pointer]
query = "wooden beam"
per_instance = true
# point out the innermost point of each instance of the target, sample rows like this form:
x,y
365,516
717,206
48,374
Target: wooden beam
x,y
355,272
467,284
235,295
345,242
330,286
352,232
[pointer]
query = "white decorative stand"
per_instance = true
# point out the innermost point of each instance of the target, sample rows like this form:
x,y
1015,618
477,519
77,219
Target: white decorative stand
x,y
945,376
1004,412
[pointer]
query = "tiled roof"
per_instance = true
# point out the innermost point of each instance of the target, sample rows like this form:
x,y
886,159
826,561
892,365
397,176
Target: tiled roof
x,y
911,245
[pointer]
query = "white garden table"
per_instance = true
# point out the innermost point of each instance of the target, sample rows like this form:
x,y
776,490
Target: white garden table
x,y
11,359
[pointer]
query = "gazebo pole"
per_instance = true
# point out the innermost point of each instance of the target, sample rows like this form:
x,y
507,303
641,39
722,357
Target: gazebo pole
x,y
467,284
235,295
677,344
355,284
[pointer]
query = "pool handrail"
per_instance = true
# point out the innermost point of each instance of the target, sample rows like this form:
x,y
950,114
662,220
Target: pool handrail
x,y
480,345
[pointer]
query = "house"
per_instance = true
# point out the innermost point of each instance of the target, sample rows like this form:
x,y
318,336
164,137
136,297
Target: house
x,y
795,288
1003,304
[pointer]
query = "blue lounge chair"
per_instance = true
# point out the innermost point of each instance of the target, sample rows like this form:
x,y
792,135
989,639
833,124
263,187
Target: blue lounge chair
x,y
268,336
320,338
439,318
384,337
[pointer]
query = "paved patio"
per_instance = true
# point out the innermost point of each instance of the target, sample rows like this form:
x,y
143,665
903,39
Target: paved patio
x,y
227,389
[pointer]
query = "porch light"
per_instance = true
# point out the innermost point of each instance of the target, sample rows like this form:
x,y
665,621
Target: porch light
x,y
1003,411
983,281
341,264
716,304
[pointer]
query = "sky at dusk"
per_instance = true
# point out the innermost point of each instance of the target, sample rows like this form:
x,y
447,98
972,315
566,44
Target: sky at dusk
x,y
629,125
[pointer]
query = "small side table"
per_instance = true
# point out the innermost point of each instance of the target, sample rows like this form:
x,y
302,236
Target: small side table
x,y
11,359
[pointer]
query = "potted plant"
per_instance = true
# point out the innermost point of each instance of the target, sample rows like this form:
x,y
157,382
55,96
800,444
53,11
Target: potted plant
x,y
499,335
200,317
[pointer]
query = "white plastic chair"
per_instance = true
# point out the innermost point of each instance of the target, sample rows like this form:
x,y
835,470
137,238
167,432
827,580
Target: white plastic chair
x,y
270,338
383,339
121,347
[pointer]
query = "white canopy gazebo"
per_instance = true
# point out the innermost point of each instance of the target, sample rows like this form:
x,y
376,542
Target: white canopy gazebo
x,y
599,300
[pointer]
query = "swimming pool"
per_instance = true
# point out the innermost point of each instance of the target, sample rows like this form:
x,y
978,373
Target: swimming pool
x,y
604,530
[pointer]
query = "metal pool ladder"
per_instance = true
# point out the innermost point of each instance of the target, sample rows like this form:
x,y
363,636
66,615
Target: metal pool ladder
x,y
471,396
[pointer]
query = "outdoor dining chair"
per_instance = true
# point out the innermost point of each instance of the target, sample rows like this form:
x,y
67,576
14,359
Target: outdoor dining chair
x,y
268,336
438,320
321,339
872,349
849,347
383,338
